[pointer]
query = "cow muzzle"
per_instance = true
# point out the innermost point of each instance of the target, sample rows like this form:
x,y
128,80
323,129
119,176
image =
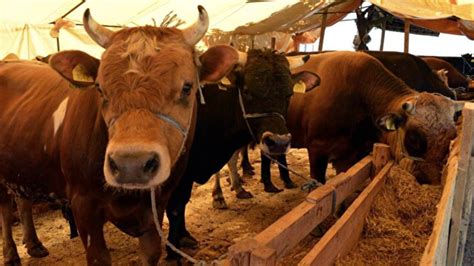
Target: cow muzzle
x,y
132,167
275,144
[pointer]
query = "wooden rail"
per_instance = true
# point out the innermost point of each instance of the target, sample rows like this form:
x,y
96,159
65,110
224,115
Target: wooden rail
x,y
345,233
283,235
446,243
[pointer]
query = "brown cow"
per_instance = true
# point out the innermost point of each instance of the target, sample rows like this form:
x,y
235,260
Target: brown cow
x,y
338,121
455,78
127,127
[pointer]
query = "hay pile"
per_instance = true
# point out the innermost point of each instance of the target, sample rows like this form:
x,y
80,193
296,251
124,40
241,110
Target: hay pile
x,y
399,224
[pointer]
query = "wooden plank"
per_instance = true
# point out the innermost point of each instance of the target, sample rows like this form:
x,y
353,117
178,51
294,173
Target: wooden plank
x,y
323,30
407,36
382,39
290,229
463,194
347,183
466,214
342,236
381,153
287,231
239,253
263,256
436,250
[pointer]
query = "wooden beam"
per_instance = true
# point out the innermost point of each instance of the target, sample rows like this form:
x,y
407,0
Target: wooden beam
x,y
436,249
290,229
263,256
323,30
461,195
347,183
407,36
382,40
273,44
466,214
381,153
343,235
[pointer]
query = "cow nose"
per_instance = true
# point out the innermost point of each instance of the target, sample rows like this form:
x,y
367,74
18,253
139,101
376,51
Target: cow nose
x,y
276,143
133,168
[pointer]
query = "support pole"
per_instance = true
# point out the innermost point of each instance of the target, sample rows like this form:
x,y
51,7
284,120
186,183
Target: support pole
x,y
273,45
382,40
407,36
323,29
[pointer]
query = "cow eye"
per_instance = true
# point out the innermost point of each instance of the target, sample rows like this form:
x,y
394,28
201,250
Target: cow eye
x,y
187,87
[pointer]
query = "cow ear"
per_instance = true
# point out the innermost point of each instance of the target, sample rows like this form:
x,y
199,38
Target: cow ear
x,y
307,79
79,68
216,62
390,122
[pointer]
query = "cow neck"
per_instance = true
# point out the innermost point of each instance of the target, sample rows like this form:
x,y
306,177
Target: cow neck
x,y
384,93
248,116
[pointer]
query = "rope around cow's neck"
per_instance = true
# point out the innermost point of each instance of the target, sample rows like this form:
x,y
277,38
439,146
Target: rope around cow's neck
x,y
311,183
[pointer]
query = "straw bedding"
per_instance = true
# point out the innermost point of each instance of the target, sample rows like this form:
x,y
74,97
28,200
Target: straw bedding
x,y
399,224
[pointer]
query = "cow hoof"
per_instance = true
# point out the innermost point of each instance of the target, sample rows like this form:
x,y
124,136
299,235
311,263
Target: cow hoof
x,y
290,185
13,262
244,195
188,242
219,204
272,189
38,251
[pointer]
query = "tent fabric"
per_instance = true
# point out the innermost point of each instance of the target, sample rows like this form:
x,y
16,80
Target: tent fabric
x,y
446,16
25,24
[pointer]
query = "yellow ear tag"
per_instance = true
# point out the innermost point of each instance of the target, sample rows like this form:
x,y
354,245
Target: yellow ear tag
x,y
299,87
79,73
390,125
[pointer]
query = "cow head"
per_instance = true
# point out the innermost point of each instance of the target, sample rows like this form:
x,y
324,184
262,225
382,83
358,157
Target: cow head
x,y
423,126
147,78
265,86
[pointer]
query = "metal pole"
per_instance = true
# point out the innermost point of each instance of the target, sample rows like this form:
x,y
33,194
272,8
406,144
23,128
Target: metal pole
x,y
273,45
323,29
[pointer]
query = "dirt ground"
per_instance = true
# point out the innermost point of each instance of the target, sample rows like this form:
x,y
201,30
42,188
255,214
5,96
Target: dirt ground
x,y
215,229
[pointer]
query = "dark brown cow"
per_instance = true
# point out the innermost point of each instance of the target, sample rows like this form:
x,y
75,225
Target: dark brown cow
x,y
338,121
126,128
455,78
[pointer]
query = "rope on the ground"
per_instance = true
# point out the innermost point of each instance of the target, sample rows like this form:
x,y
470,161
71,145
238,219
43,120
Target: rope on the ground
x,y
165,241
307,187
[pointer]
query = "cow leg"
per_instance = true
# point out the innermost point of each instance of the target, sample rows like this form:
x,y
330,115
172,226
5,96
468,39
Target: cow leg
x,y
90,220
241,193
266,176
150,244
247,168
33,245
218,201
10,254
284,173
175,211
318,164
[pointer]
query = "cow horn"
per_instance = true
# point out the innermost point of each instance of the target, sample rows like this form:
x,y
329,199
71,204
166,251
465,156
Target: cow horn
x,y
100,34
297,61
195,32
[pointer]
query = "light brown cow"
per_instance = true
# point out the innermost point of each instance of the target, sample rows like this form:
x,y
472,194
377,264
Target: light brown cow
x,y
127,127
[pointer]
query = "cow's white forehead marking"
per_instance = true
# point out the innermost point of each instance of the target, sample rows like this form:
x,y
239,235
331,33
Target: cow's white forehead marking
x,y
58,115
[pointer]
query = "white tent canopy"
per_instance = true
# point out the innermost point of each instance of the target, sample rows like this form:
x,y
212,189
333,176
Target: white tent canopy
x,y
25,24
